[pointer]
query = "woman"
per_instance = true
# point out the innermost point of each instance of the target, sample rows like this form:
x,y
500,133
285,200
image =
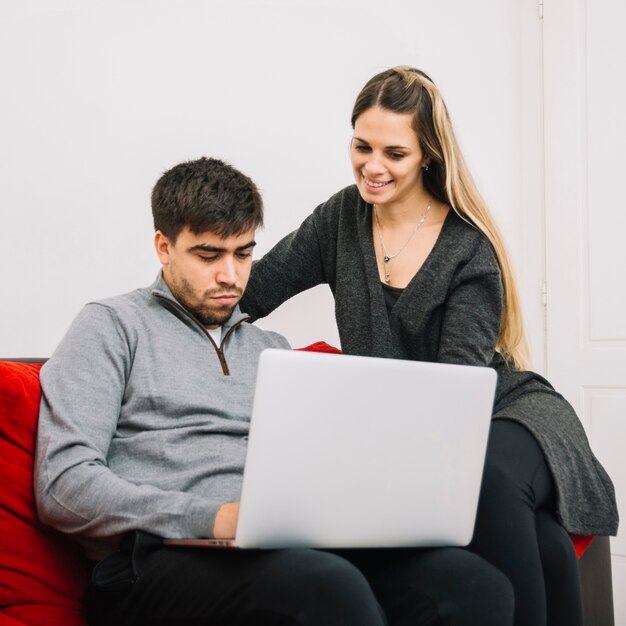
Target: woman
x,y
419,271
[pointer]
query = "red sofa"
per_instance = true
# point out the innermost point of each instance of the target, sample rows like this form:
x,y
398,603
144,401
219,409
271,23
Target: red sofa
x,y
43,574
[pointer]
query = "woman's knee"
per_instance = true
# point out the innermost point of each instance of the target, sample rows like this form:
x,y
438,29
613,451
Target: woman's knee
x,y
555,546
497,605
514,464
466,589
483,594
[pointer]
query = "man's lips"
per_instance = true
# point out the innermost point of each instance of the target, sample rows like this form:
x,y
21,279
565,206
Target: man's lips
x,y
225,298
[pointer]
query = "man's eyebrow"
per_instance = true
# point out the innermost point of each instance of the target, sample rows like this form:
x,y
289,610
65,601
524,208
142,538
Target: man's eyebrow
x,y
245,246
204,247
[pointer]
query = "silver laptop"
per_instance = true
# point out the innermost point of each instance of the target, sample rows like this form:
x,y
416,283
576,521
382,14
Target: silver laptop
x,y
354,452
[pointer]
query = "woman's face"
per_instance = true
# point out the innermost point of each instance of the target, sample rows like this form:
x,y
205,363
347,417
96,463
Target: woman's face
x,y
386,158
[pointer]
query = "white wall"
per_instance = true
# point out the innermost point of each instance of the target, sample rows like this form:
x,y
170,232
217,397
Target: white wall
x,y
98,98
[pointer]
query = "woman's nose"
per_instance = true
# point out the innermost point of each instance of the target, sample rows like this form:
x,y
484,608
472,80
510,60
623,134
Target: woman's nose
x,y
374,165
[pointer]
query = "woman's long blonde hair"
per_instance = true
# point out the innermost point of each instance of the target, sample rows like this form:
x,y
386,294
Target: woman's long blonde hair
x,y
405,89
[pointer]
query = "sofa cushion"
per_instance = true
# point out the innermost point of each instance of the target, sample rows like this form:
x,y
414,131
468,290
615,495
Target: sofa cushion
x,y
43,574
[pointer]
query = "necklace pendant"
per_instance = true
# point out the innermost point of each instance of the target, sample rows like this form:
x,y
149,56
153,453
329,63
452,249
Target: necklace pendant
x,y
386,258
386,278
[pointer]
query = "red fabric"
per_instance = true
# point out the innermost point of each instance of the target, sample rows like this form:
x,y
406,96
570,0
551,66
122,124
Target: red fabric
x,y
320,346
5,620
42,573
581,542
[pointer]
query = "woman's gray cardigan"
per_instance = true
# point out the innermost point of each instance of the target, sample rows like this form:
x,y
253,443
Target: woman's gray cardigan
x,y
450,312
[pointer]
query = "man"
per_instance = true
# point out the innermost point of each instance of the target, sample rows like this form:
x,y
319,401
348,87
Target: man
x,y
143,428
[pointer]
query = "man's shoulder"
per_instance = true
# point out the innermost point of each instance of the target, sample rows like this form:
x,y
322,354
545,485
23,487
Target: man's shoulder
x,y
132,301
265,338
122,316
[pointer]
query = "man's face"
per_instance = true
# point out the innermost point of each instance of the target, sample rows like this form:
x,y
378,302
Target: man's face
x,y
206,273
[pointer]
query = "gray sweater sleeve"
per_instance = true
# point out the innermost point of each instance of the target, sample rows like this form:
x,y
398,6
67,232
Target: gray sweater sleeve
x,y
82,391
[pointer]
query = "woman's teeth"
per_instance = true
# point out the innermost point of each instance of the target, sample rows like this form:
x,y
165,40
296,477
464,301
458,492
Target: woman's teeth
x,y
373,183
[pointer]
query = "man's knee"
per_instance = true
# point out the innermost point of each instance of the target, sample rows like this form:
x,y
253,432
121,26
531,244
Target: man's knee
x,y
320,572
323,588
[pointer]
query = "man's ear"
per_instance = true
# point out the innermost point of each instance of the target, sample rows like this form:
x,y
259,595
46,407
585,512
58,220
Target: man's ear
x,y
162,245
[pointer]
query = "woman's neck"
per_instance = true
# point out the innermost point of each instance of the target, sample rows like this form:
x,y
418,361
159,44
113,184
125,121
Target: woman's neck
x,y
405,212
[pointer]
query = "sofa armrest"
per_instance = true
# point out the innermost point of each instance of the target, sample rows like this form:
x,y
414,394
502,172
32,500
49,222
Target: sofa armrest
x,y
596,583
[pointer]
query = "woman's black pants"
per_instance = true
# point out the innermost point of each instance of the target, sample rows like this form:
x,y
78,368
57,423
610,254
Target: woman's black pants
x,y
517,532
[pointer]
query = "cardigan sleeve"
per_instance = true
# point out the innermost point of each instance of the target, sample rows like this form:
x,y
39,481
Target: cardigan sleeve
x,y
293,265
473,311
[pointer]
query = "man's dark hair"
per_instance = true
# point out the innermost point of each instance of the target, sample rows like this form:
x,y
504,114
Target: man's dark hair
x,y
205,195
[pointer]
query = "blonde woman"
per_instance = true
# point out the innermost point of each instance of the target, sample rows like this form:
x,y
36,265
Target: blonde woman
x,y
419,271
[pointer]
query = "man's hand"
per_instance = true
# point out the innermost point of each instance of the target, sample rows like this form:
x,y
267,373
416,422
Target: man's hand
x,y
226,521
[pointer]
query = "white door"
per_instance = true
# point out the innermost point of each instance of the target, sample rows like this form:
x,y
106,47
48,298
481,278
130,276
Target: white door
x,y
585,159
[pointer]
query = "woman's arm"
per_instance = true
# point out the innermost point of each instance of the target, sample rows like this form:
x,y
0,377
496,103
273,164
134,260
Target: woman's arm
x,y
293,265
473,311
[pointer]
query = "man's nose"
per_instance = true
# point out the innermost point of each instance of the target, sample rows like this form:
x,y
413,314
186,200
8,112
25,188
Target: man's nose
x,y
227,272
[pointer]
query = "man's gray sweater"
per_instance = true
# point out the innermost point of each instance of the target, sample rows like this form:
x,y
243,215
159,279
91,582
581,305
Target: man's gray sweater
x,y
144,420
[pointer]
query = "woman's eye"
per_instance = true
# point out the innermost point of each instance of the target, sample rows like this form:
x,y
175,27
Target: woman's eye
x,y
362,148
397,155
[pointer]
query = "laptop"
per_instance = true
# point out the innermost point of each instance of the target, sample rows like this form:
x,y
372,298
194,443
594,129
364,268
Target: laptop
x,y
362,452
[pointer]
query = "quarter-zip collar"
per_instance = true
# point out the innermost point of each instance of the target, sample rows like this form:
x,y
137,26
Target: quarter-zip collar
x,y
161,291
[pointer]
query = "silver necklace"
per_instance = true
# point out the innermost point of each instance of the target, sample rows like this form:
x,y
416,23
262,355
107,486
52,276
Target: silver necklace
x,y
387,258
